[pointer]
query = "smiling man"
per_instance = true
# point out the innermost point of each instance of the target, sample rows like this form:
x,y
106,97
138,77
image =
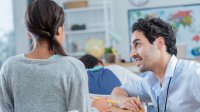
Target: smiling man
x,y
171,84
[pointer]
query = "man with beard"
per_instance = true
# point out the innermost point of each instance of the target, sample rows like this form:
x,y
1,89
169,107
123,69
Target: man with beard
x,y
171,84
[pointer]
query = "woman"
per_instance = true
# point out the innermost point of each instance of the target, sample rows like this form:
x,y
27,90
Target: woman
x,y
45,79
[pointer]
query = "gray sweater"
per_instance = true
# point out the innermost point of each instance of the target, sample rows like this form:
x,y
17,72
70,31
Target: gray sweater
x,y
48,85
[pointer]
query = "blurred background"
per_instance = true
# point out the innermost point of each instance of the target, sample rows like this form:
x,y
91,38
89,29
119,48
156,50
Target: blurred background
x,y
102,27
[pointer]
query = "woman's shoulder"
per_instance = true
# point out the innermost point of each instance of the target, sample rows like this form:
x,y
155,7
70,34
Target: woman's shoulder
x,y
62,61
72,60
12,59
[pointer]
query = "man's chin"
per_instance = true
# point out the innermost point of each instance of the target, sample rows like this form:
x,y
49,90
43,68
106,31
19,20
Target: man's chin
x,y
142,69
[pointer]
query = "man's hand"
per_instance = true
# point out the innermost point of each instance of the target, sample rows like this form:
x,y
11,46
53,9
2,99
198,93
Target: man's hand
x,y
131,103
102,105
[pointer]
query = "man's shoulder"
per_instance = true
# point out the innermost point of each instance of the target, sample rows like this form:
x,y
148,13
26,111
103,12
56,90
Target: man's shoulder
x,y
189,64
188,67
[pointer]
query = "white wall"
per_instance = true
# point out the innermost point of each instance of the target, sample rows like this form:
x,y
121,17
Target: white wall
x,y
120,9
22,42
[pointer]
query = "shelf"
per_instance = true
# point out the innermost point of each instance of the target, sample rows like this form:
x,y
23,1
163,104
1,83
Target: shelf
x,y
77,32
97,18
83,9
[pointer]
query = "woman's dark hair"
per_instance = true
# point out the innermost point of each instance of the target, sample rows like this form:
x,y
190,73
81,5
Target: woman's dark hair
x,y
43,18
154,28
89,61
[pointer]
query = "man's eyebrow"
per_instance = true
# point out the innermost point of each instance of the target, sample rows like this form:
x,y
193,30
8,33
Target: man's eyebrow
x,y
135,41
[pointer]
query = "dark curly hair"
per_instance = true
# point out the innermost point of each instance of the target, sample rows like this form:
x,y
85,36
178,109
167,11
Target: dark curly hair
x,y
154,28
89,61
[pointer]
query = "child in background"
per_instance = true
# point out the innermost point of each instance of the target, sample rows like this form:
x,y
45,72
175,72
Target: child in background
x,y
102,79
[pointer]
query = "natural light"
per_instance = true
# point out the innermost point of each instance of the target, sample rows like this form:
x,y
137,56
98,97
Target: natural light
x,y
6,30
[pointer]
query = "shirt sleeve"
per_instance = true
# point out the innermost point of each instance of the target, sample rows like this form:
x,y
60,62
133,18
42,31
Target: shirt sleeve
x,y
79,93
123,74
137,88
196,82
5,95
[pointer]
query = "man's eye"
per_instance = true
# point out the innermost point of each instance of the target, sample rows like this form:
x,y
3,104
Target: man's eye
x,y
137,45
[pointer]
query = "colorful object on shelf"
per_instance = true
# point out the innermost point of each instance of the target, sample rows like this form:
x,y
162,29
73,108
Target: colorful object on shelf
x,y
196,38
78,27
76,4
110,53
110,50
95,47
196,51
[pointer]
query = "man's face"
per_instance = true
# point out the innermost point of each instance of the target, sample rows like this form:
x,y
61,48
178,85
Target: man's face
x,y
144,53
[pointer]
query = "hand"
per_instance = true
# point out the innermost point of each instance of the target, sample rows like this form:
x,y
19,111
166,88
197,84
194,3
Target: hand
x,y
131,103
102,105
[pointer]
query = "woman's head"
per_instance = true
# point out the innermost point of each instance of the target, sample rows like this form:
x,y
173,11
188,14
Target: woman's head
x,y
44,20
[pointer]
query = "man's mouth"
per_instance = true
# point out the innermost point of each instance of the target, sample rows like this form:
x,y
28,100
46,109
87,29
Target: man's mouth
x,y
137,61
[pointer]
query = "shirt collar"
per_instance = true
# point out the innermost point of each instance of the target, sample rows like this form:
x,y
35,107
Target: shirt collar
x,y
153,81
171,66
54,56
95,68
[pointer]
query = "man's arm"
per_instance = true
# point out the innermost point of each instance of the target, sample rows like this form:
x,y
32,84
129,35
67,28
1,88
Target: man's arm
x,y
125,101
195,83
119,94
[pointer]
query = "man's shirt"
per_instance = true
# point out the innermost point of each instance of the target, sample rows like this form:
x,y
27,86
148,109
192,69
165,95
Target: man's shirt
x,y
183,90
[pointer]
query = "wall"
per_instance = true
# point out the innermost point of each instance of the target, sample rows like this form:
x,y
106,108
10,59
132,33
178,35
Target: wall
x,y
22,42
120,10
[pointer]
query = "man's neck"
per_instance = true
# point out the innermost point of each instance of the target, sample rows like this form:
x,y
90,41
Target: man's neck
x,y
160,67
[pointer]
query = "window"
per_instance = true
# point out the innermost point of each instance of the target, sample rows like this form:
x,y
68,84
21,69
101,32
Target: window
x,y
7,42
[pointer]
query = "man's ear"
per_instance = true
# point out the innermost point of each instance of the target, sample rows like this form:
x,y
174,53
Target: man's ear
x,y
160,42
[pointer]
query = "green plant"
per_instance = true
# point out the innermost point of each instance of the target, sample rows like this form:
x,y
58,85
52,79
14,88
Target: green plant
x,y
108,50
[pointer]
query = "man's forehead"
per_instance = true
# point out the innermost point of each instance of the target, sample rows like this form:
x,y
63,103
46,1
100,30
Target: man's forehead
x,y
135,37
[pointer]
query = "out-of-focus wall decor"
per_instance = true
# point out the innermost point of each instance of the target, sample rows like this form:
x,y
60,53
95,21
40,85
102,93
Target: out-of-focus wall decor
x,y
185,22
7,41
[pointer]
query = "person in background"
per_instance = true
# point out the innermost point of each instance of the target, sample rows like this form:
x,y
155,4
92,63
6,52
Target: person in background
x,y
102,79
171,84
46,79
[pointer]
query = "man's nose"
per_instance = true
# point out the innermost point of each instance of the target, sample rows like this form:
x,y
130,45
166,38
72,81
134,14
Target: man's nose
x,y
133,53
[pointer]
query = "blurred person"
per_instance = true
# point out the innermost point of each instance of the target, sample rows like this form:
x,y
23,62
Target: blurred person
x,y
102,79
46,79
171,84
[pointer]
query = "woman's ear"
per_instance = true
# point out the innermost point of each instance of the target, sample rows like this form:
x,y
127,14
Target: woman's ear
x,y
60,30
29,35
60,34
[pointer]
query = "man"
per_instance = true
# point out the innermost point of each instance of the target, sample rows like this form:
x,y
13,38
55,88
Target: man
x,y
172,84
